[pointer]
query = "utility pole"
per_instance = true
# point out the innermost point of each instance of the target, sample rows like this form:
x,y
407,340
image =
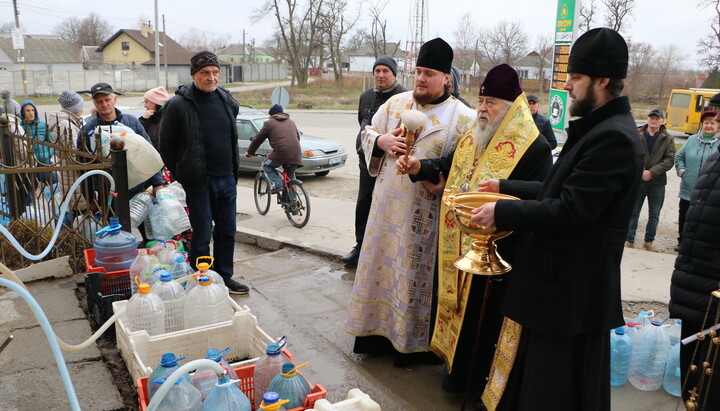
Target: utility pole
x,y
165,52
157,46
243,46
21,58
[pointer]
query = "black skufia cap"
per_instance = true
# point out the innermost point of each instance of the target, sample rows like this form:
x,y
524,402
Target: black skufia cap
x,y
435,54
502,82
600,52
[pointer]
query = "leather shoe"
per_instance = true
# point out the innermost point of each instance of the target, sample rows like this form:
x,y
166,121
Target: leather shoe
x,y
351,258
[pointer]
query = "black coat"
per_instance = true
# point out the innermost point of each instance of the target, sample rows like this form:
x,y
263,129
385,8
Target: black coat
x,y
370,101
697,267
182,146
566,277
152,126
543,125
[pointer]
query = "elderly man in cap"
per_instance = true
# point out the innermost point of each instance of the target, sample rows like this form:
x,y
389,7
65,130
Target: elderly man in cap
x,y
659,148
391,303
198,143
386,86
564,296
502,144
542,122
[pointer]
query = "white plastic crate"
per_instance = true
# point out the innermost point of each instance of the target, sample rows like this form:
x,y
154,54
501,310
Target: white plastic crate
x,y
142,352
356,401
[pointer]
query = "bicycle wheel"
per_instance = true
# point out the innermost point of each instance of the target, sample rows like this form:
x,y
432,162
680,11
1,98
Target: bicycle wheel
x,y
261,192
297,209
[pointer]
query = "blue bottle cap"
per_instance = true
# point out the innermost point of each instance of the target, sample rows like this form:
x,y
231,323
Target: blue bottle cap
x,y
273,349
170,360
678,321
287,367
215,354
271,397
620,331
165,276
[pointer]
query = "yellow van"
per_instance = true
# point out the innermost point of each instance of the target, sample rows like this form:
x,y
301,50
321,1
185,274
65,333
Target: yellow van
x,y
685,107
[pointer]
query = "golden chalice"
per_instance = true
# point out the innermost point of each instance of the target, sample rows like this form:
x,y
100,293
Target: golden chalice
x,y
482,258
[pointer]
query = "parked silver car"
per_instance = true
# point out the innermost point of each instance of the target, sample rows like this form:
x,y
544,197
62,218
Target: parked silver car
x,y
319,155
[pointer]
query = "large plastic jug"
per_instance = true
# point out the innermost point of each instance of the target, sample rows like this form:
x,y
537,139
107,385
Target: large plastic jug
x,y
204,269
650,350
115,249
206,304
173,296
140,205
226,396
145,311
175,212
205,378
675,332
620,355
291,386
138,267
271,402
168,365
672,379
180,268
269,366
183,396
157,224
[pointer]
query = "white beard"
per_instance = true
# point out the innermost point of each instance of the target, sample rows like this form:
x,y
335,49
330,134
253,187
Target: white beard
x,y
484,132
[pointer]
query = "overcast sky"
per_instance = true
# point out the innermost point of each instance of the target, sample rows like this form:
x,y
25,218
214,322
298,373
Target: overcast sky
x,y
659,22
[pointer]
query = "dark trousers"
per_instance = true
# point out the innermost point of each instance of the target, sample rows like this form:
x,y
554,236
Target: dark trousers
x,y
655,196
364,199
682,212
214,204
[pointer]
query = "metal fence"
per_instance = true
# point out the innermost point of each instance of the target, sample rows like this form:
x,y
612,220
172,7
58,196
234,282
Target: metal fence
x,y
35,178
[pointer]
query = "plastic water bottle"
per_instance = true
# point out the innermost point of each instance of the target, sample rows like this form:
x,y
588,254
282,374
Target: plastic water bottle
x,y
620,355
183,396
206,304
204,269
675,332
650,351
178,192
642,320
630,329
115,249
145,311
146,275
158,246
271,402
268,367
157,224
180,268
672,378
173,296
168,365
226,396
205,379
140,207
290,386
174,210
138,268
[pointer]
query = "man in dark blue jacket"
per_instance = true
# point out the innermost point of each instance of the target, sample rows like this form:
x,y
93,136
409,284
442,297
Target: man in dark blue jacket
x,y
542,122
198,144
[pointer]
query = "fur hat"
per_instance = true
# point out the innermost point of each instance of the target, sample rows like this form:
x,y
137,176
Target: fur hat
x,y
435,54
277,108
600,52
157,95
388,62
71,101
502,82
203,59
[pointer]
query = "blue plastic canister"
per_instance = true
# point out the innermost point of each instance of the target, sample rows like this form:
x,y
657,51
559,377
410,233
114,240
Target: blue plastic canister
x,y
115,249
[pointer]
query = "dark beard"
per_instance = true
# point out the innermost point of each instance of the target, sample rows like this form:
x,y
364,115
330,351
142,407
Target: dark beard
x,y
422,99
582,107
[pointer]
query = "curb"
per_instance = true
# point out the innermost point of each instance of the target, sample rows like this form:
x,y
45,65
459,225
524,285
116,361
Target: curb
x,y
272,242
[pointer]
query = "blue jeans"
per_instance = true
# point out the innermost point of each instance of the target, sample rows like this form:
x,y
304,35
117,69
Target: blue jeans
x,y
656,197
270,169
214,204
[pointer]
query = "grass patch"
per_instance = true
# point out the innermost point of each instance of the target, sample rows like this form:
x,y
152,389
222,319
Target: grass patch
x,y
321,94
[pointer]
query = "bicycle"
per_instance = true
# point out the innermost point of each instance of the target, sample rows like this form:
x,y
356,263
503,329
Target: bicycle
x,y
293,197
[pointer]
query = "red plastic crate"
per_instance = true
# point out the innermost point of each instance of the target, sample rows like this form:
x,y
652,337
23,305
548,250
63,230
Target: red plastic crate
x,y
245,375
90,261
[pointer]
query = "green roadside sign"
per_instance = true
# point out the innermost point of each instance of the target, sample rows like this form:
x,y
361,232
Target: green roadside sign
x,y
565,33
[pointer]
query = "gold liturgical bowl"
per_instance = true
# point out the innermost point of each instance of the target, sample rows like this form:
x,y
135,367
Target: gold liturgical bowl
x,y
482,258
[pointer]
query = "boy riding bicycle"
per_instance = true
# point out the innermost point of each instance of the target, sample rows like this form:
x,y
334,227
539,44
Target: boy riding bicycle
x,y
284,139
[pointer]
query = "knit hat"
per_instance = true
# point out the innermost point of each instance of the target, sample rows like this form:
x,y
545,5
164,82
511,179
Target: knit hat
x,y
203,59
277,108
388,62
435,54
502,82
600,52
71,101
157,95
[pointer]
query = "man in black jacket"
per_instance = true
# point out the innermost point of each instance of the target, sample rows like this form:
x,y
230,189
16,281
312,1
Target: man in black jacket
x,y
198,143
542,122
564,295
386,86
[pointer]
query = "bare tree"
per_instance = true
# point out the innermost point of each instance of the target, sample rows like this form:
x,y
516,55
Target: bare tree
x,y
299,30
197,40
377,37
466,40
92,30
641,59
504,43
143,20
6,27
667,63
617,10
336,26
709,46
544,48
587,15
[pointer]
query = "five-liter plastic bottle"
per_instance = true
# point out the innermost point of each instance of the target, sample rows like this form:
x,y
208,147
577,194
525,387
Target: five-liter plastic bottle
x,y
140,205
672,380
168,365
145,311
650,350
180,268
205,379
173,296
204,269
115,249
175,212
290,386
206,304
620,355
157,224
271,402
268,367
183,396
138,268
675,332
226,396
